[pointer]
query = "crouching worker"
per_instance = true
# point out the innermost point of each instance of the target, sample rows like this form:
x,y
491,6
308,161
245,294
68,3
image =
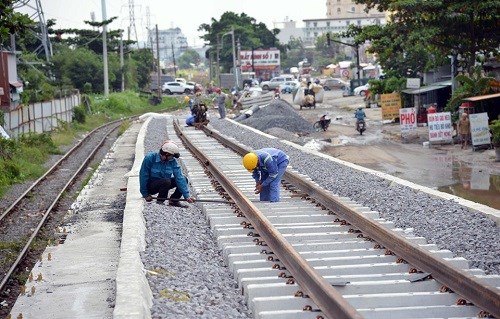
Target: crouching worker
x,y
267,165
161,172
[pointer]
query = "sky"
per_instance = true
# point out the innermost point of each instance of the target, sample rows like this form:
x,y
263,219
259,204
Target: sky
x,y
187,16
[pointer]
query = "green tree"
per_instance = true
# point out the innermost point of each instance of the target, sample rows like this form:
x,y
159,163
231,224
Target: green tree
x,y
252,35
325,54
78,67
422,33
12,22
469,85
189,59
144,65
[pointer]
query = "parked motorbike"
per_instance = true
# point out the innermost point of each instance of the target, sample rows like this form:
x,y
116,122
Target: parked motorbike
x,y
277,95
322,124
361,127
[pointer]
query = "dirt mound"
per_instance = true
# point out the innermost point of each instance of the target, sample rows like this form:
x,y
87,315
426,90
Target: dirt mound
x,y
279,114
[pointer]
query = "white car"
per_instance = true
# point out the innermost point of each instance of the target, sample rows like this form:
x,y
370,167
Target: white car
x,y
275,82
177,88
361,90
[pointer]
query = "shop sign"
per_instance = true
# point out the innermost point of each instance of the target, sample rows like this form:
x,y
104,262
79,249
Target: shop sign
x,y
440,128
407,120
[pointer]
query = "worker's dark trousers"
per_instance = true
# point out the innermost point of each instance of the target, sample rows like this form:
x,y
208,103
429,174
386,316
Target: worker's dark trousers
x,y
162,186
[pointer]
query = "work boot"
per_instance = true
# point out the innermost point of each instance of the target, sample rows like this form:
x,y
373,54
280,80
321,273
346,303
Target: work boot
x,y
176,204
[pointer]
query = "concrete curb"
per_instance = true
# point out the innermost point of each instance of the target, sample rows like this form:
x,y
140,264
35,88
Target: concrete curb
x,y
133,294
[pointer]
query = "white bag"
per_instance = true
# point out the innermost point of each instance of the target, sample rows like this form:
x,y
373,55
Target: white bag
x,y
299,97
319,96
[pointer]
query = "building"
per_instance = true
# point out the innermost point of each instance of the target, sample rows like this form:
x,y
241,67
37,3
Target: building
x,y
10,86
168,40
288,30
339,15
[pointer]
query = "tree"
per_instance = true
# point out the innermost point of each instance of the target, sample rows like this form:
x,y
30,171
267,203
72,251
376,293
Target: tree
x,y
188,59
423,33
252,35
325,54
12,22
145,64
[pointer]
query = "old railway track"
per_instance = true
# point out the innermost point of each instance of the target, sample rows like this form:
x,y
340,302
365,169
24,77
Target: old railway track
x,y
22,222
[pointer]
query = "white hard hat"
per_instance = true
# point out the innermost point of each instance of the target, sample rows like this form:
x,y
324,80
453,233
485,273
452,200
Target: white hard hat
x,y
170,147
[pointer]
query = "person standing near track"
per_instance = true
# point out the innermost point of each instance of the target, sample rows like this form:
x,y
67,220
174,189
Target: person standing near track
x,y
161,172
220,101
267,165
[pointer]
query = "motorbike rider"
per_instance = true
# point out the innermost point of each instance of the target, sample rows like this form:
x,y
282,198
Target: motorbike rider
x,y
324,121
360,117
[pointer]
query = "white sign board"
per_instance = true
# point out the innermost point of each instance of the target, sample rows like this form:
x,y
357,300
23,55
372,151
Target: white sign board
x,y
440,128
407,120
479,130
413,83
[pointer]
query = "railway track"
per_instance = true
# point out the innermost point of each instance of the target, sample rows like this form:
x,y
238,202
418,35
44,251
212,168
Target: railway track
x,y
315,255
23,221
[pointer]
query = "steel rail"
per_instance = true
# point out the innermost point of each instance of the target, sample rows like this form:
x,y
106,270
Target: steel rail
x,y
34,234
469,287
51,169
330,301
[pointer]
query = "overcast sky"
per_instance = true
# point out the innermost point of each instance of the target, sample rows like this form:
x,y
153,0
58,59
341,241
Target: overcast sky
x,y
188,16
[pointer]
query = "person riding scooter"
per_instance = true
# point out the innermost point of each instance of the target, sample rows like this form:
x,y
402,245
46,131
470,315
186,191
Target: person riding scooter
x,y
360,117
325,121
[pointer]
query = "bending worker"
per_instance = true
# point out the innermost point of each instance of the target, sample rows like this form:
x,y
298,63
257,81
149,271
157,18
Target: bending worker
x,y
267,166
161,172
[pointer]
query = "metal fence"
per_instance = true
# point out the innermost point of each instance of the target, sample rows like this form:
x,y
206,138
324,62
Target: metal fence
x,y
40,117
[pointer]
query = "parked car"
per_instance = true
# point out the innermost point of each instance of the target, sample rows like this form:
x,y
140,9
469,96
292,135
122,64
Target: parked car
x,y
177,88
361,90
289,86
275,82
332,83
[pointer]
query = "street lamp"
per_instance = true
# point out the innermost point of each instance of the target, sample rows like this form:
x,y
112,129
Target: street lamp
x,y
235,70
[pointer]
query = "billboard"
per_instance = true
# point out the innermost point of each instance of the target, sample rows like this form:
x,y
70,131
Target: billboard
x,y
265,63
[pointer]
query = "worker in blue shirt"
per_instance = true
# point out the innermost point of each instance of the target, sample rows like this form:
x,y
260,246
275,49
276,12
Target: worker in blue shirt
x,y
267,165
161,172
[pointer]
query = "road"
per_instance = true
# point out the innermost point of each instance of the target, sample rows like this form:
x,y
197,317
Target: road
x,y
470,174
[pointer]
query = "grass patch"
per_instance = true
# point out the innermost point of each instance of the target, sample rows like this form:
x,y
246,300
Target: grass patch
x,y
22,158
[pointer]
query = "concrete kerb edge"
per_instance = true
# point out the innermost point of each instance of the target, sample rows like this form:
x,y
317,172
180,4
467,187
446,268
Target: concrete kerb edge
x,y
492,213
134,297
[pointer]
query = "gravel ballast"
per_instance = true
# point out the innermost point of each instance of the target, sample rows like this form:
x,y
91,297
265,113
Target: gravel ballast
x,y
185,267
182,255
446,223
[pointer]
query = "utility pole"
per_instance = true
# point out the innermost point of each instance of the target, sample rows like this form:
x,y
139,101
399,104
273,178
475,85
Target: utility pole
x,y
122,63
235,70
159,89
217,62
173,58
105,49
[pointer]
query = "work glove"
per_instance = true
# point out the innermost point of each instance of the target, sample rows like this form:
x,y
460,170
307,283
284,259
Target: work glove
x,y
148,198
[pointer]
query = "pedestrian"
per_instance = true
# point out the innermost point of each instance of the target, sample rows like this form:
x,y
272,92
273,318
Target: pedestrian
x,y
161,172
220,101
267,165
463,128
